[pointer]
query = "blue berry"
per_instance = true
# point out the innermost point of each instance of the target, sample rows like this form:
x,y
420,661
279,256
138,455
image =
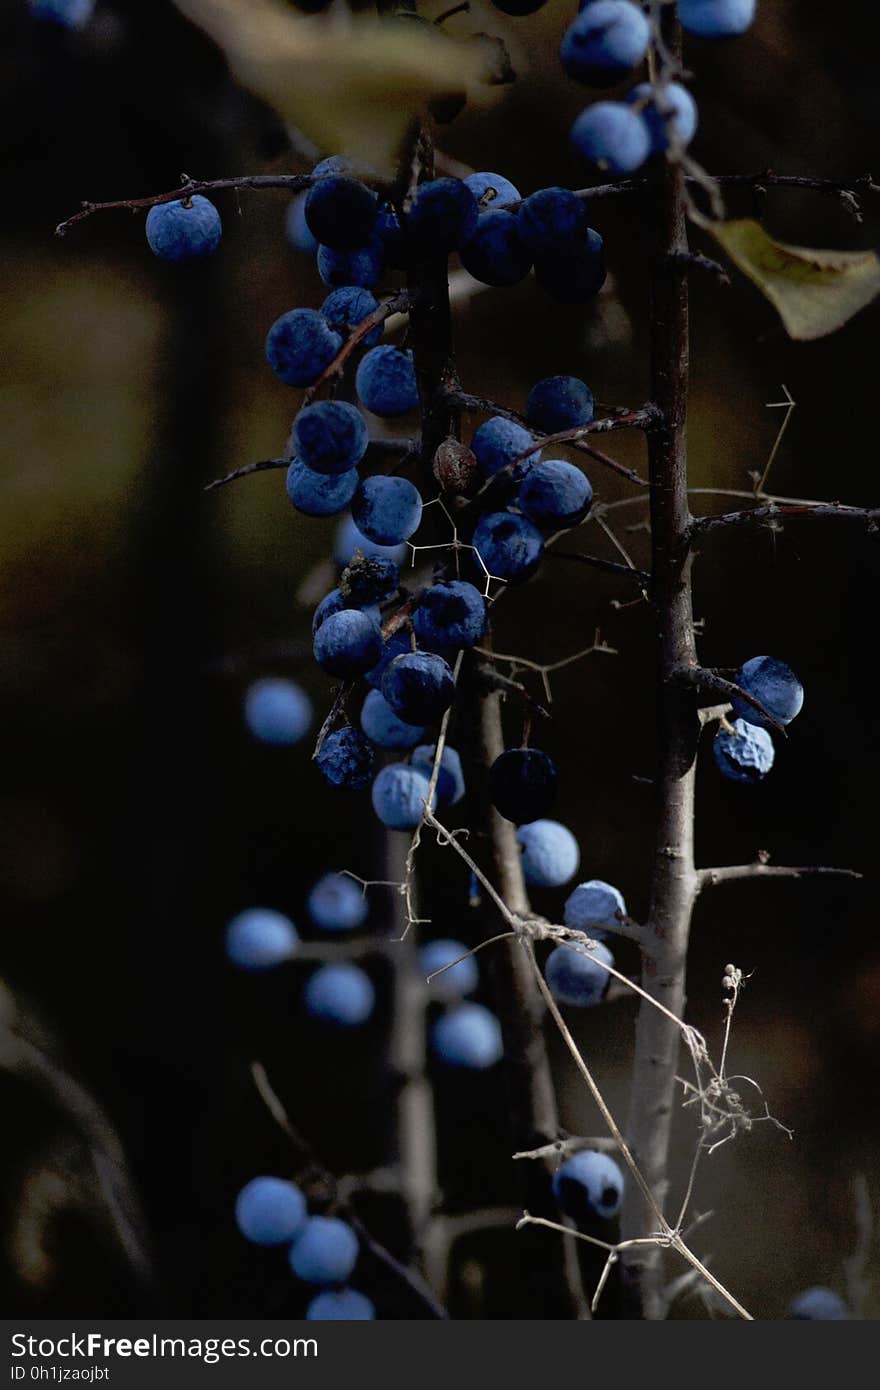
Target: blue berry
x,y
550,220
70,14
468,1036
333,164
296,227
818,1304
501,189
419,687
270,1211
588,1184
459,979
349,539
340,1305
336,903
450,615
442,216
259,939
398,644
522,784
363,267
346,759
319,494
612,136
325,1251
184,230
494,254
555,494
774,684
341,994
277,711
669,112
348,306
450,781
509,546
386,381
399,796
387,510
334,602
348,643
575,273
383,727
299,345
341,212
498,441
607,39
391,235
574,975
746,754
550,853
369,579
330,436
559,403
716,19
594,906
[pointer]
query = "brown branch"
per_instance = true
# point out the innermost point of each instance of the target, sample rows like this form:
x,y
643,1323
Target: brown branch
x,y
260,467
608,566
291,183
715,684
403,448
397,304
730,873
773,511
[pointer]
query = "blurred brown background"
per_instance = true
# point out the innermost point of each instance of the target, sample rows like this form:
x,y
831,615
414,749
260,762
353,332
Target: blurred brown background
x,y
136,813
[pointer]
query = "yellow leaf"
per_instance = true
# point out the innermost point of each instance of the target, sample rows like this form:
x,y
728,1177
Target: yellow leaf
x,y
352,84
815,291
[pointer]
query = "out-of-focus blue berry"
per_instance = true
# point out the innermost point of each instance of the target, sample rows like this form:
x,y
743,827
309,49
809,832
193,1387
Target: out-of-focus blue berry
x,y
337,903
341,212
818,1304
386,381
325,1251
348,643
382,725
299,345
607,39
716,19
498,441
184,230
594,906
550,853
509,546
364,266
399,795
349,539
746,754
494,254
574,975
575,273
346,759
340,1305
391,235
459,979
70,14
485,183
297,228
559,403
387,510
348,306
468,1036
774,684
555,494
270,1211
259,939
340,993
450,615
611,136
450,781
669,111
277,711
588,1184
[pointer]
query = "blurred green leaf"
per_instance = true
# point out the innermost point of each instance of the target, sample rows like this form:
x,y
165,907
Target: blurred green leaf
x,y
816,292
351,83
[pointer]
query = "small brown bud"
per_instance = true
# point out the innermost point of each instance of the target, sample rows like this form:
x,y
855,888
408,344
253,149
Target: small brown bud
x,y
454,466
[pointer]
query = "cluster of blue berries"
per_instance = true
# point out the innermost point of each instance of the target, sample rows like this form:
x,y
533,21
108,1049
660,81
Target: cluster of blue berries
x,y
744,750
322,1251
605,42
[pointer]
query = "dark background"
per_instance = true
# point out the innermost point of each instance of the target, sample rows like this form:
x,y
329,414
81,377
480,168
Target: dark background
x,y
137,815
